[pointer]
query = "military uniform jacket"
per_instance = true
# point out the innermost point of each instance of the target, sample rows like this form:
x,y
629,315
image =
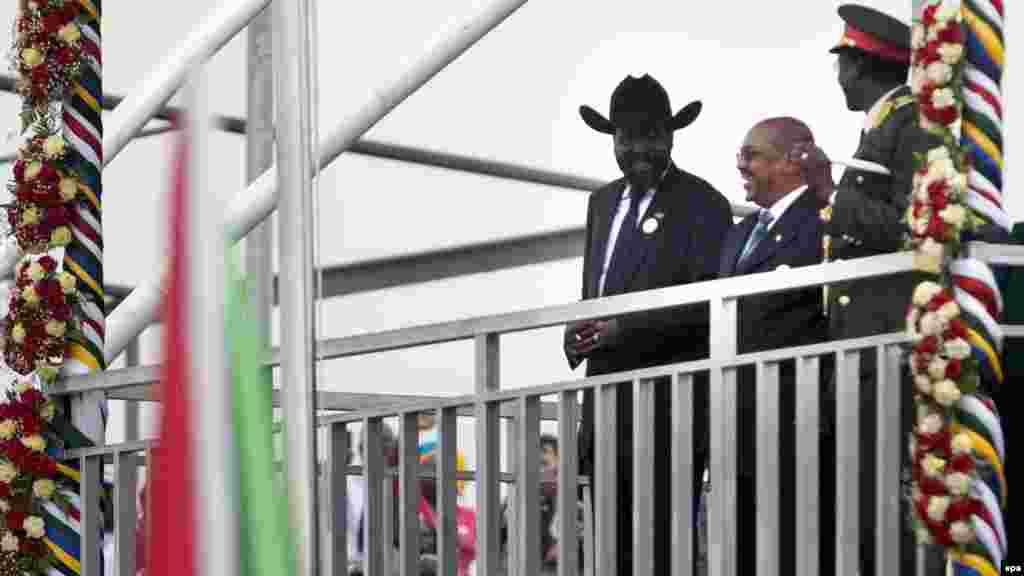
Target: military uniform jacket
x,y
867,219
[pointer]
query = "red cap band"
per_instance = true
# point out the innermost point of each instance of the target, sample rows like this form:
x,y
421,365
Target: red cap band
x,y
854,38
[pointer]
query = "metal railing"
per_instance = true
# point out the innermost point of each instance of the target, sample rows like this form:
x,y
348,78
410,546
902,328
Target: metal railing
x,y
489,403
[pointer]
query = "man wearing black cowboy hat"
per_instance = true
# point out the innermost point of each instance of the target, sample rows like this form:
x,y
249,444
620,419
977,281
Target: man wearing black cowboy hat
x,y
657,226
864,217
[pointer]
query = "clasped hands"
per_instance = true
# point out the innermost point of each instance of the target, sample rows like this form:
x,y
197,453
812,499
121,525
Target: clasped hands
x,y
582,338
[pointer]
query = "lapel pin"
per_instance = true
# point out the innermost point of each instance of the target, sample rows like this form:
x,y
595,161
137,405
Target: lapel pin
x,y
778,237
650,225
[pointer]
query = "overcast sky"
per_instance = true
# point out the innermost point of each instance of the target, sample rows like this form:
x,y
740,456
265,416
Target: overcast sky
x,y
513,96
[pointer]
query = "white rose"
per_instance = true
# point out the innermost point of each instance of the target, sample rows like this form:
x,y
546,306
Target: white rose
x,y
31,57
951,53
923,535
943,98
61,236
938,153
932,324
930,248
32,170
53,146
30,216
7,429
68,189
961,444
954,214
924,293
939,73
36,271
9,542
29,295
958,483
55,328
34,442
923,384
947,14
948,311
937,368
947,392
961,532
70,33
931,423
18,333
917,36
67,282
957,348
937,507
7,472
43,488
920,225
4,506
34,527
933,466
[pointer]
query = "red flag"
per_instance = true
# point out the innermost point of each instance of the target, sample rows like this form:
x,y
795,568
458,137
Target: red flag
x,y
172,518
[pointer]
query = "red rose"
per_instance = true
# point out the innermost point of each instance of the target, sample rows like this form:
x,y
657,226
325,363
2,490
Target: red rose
x,y
936,228
15,520
48,264
32,547
56,216
40,76
53,22
19,170
957,328
941,535
61,312
71,10
928,16
962,463
953,369
929,345
67,55
960,510
944,116
5,490
32,397
952,33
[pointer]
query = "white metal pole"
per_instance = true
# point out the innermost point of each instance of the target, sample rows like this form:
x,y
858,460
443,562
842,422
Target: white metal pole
x,y
259,199
216,509
298,330
136,312
153,92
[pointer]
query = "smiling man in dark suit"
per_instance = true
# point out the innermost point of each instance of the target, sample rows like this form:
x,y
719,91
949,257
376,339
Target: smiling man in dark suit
x,y
657,226
785,233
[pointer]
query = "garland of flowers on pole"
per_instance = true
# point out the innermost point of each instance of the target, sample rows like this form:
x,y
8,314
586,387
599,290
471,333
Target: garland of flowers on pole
x,y
957,446
47,57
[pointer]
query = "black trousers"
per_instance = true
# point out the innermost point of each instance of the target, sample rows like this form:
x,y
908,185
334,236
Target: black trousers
x,y
661,465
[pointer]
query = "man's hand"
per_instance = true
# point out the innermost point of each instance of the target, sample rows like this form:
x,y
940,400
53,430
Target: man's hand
x,y
815,168
582,338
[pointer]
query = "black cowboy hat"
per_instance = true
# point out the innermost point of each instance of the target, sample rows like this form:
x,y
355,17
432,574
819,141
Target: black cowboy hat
x,y
874,32
637,102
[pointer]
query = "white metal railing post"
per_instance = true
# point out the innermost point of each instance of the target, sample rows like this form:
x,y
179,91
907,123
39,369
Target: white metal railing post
x,y
722,446
298,374
153,92
488,444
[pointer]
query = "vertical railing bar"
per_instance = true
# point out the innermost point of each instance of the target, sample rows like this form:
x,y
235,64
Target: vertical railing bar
x,y
373,471
767,438
888,467
90,523
722,506
388,528
606,481
409,493
847,463
528,484
682,473
643,477
568,488
488,446
511,441
336,481
125,512
446,493
808,425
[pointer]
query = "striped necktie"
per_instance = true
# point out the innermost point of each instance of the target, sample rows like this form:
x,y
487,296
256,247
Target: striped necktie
x,y
764,219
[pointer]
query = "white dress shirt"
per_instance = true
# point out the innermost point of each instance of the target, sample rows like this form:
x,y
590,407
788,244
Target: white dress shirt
x,y
782,204
613,234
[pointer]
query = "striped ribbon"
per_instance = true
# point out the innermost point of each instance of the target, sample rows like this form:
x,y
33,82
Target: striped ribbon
x,y
83,129
83,257
974,284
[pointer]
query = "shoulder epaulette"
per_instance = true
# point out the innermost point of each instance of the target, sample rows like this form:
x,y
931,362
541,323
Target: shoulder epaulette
x,y
894,104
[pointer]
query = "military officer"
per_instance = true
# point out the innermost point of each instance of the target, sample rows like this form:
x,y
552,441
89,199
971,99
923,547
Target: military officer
x,y
864,216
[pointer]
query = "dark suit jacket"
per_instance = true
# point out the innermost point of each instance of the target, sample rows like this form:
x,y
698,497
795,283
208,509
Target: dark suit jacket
x,y
867,220
693,221
779,320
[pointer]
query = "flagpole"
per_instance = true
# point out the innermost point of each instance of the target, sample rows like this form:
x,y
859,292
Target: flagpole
x,y
295,218
216,529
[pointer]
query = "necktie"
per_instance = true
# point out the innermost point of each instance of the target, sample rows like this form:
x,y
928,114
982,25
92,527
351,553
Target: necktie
x,y
614,281
764,218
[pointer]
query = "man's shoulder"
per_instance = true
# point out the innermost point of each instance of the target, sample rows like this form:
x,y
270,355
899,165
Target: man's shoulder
x,y
697,189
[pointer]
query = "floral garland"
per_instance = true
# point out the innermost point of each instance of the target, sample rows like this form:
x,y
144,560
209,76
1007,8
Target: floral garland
x,y
955,475
47,57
